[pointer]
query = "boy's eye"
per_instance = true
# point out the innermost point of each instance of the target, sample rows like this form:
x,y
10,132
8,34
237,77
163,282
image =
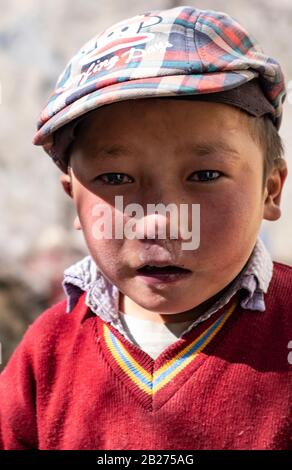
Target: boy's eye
x,y
114,178
206,175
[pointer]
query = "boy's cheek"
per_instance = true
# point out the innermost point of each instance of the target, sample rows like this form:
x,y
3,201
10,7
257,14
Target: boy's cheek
x,y
229,227
227,221
107,254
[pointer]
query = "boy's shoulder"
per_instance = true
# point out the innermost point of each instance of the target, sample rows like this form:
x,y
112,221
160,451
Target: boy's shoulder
x,y
56,314
50,337
278,298
52,328
282,273
282,266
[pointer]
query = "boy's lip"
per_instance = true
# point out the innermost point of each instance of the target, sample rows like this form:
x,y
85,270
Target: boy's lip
x,y
161,273
158,272
161,264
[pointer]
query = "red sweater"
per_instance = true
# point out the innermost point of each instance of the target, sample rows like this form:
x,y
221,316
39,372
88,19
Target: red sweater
x,y
75,382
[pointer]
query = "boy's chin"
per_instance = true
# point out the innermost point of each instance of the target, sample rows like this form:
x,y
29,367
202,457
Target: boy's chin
x,y
151,306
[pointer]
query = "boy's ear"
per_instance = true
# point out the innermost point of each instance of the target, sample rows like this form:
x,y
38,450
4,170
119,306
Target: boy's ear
x,y
273,190
66,182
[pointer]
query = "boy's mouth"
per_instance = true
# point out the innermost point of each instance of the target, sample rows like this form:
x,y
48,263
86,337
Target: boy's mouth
x,y
167,273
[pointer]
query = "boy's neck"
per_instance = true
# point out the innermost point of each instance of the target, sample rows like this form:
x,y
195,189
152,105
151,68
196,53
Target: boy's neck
x,y
128,307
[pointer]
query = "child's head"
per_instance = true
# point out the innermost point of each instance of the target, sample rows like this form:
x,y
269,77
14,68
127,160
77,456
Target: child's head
x,y
133,138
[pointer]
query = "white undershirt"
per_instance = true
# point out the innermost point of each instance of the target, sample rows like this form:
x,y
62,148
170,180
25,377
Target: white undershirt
x,y
152,337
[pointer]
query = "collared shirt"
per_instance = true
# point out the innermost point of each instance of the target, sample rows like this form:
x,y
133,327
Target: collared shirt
x,y
102,297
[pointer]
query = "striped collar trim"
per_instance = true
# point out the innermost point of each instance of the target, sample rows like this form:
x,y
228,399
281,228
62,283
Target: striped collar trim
x,y
149,376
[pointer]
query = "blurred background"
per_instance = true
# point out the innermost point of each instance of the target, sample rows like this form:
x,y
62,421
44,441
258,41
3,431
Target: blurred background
x,y
37,237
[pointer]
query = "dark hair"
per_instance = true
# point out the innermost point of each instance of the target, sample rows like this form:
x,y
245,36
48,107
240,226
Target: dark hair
x,y
265,134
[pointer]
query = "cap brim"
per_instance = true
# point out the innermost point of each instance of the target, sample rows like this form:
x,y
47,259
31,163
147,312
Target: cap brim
x,y
136,89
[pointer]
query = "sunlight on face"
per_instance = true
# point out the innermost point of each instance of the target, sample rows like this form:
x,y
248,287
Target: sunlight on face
x,y
167,151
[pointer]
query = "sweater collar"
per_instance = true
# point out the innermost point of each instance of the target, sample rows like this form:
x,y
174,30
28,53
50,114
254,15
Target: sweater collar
x,y
102,297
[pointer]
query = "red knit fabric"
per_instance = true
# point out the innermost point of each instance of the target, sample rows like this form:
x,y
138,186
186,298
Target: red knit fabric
x,y
63,388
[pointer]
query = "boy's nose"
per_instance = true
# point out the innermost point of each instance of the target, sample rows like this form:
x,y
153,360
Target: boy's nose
x,y
164,190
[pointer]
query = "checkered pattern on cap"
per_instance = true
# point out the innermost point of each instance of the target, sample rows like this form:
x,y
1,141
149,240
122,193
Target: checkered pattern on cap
x,y
181,51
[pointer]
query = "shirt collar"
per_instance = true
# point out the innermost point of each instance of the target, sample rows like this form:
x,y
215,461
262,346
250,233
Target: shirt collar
x,y
102,297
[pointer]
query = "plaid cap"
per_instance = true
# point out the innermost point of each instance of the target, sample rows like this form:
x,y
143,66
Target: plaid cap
x,y
175,52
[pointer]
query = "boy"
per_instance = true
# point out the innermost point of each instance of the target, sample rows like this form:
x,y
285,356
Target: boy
x,y
159,346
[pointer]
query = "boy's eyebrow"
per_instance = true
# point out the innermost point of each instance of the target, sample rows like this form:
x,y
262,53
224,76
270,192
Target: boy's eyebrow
x,y
112,151
201,149
215,147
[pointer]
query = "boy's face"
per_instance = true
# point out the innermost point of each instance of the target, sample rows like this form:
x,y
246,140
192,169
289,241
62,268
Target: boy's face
x,y
180,152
